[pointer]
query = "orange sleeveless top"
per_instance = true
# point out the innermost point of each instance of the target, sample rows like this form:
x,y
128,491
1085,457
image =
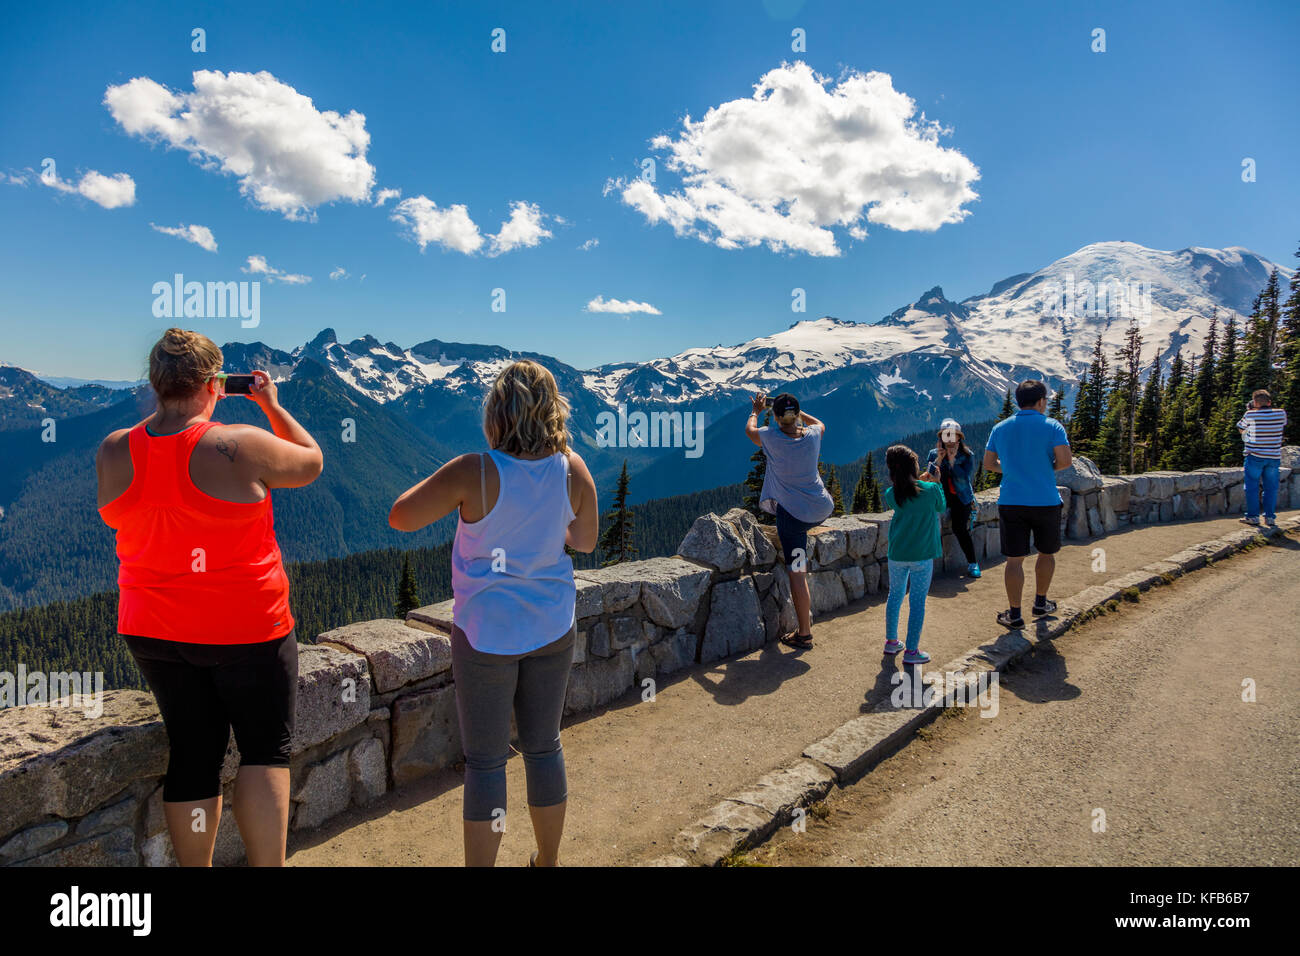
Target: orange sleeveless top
x,y
194,568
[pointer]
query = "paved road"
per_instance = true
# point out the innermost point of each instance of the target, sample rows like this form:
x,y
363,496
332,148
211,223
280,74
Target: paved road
x,y
640,772
1138,714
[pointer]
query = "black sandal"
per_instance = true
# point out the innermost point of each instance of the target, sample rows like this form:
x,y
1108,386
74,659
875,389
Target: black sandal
x,y
798,641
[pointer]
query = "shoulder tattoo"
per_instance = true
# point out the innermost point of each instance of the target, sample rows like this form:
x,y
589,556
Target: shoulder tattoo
x,y
227,448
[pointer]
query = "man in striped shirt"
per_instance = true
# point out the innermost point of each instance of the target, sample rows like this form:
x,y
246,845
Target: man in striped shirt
x,y
1261,429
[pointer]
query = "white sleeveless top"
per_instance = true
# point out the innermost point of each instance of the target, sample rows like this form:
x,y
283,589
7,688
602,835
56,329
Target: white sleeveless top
x,y
513,583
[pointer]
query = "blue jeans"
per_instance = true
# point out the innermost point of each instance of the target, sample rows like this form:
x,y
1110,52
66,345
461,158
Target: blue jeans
x,y
903,574
1261,468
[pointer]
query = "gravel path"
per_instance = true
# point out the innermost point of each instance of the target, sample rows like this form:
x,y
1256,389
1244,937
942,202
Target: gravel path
x,y
1138,714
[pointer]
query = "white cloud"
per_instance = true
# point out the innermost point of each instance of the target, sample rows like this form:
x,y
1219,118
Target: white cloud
x,y
797,158
199,235
111,192
523,229
601,304
589,245
339,273
288,156
386,194
452,228
257,265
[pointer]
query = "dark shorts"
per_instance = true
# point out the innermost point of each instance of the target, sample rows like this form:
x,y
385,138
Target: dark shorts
x,y
205,690
1018,523
793,534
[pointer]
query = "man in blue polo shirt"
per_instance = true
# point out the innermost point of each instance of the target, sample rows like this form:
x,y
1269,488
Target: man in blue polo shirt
x,y
1028,449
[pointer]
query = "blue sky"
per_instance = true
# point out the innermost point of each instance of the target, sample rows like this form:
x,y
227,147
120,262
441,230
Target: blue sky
x,y
1143,142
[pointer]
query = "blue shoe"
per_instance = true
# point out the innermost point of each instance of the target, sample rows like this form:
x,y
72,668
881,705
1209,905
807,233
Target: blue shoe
x,y
893,647
916,657
974,570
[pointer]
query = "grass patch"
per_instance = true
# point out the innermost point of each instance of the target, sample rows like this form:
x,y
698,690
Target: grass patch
x,y
1168,578
819,810
1112,605
739,858
1132,595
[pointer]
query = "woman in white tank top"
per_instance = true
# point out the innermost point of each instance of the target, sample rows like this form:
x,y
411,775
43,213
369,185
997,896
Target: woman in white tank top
x,y
512,641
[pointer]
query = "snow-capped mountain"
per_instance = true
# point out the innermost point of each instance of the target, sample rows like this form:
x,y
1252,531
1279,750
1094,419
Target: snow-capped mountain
x,y
1050,319
930,358
1042,323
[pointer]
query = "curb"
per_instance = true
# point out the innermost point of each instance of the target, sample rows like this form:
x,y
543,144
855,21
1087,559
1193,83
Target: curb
x,y
748,818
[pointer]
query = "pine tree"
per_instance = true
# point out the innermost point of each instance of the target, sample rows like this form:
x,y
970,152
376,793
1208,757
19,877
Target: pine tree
x,y
1255,367
866,493
1127,382
831,479
1228,355
408,592
1090,405
1007,408
616,544
1208,376
754,480
1289,353
1054,409
1147,424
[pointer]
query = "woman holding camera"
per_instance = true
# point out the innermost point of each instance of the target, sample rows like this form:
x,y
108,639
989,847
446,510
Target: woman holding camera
x,y
792,491
204,601
512,642
952,464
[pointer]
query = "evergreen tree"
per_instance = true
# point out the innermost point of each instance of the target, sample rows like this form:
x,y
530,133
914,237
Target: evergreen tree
x,y
1090,407
1288,396
754,480
1255,366
831,479
1147,424
866,493
1110,448
1180,432
408,592
1227,361
1054,408
616,544
1008,409
1127,382
1207,377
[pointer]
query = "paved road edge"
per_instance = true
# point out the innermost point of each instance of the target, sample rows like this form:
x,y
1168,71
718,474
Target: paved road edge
x,y
748,818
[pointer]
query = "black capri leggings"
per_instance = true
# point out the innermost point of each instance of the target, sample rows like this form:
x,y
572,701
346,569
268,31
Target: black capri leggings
x,y
203,690
960,515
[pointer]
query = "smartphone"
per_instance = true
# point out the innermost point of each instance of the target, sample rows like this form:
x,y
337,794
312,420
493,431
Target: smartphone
x,y
239,384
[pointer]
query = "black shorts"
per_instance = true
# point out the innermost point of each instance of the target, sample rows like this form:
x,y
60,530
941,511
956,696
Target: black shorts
x,y
203,690
1017,523
793,535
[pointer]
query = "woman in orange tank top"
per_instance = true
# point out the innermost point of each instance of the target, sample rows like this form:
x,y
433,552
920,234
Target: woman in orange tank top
x,y
203,598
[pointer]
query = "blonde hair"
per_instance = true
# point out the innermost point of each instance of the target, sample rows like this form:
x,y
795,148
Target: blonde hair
x,y
181,362
524,412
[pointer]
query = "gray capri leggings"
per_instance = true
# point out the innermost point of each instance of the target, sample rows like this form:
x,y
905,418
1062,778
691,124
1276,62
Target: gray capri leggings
x,y
487,687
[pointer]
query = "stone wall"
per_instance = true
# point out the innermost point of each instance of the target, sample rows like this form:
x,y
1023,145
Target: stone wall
x,y
376,702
